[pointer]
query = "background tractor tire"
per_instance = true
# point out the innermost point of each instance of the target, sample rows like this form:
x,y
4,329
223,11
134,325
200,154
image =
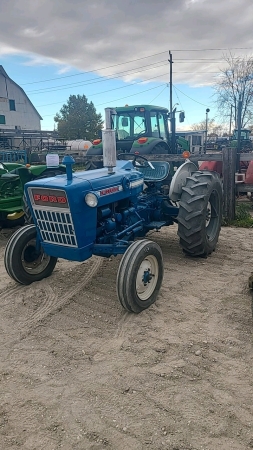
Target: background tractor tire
x,y
200,213
159,150
92,165
7,223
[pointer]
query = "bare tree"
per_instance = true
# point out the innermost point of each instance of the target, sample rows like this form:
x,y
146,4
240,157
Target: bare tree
x,y
213,127
235,82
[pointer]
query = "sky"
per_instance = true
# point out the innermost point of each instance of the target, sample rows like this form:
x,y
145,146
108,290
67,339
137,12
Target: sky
x,y
116,52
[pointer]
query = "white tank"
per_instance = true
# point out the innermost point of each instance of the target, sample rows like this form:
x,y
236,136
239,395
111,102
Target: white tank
x,y
78,146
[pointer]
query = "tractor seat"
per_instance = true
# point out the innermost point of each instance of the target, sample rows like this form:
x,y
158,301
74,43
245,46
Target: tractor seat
x,y
159,173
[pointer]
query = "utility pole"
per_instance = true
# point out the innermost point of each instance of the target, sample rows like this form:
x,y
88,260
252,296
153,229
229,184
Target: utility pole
x,y
207,111
171,62
239,126
172,113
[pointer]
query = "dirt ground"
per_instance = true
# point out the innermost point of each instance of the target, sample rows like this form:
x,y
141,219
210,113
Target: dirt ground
x,y
78,372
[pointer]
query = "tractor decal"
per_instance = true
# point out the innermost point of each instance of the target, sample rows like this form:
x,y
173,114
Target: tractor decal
x,y
113,189
110,190
49,197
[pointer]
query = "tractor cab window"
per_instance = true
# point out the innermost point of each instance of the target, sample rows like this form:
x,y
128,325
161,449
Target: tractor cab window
x,y
122,127
154,124
139,124
161,120
129,125
244,134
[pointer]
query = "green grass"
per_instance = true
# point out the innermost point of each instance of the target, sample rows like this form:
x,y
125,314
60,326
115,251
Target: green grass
x,y
243,218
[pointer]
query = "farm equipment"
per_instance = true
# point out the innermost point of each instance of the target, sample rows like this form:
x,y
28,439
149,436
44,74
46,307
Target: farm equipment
x,y
142,129
245,146
13,177
245,142
101,212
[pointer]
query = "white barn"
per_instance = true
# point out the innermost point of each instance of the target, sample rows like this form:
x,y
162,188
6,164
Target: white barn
x,y
16,110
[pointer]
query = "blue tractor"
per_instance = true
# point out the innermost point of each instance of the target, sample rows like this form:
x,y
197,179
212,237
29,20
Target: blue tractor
x,y
110,211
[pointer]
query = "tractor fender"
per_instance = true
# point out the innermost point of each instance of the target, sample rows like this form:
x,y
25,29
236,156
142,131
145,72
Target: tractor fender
x,y
179,179
145,149
95,150
36,171
212,166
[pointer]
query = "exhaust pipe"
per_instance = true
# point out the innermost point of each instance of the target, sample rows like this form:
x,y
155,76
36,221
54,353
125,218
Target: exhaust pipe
x,y
109,142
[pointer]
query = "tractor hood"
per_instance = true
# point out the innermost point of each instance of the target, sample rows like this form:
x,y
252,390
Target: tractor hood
x,y
59,192
93,180
63,216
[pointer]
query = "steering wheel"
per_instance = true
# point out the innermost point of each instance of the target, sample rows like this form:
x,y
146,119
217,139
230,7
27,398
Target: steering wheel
x,y
147,163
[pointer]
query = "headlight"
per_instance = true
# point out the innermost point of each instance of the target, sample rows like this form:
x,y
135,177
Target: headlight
x,y
91,200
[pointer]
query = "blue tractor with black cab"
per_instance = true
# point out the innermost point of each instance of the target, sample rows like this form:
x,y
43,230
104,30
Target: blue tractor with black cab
x,y
110,211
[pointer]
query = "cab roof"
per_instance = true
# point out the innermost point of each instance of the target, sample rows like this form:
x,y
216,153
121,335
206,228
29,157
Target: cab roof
x,y
128,108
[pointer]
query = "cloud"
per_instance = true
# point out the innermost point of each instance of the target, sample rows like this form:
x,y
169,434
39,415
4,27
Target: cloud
x,y
97,34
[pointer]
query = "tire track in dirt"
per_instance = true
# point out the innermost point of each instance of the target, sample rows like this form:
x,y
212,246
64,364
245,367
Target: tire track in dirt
x,y
122,323
12,291
53,301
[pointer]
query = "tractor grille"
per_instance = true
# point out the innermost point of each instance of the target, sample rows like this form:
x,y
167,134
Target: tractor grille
x,y
56,227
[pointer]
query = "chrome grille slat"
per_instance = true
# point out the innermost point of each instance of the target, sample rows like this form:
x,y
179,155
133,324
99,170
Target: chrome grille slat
x,y
56,227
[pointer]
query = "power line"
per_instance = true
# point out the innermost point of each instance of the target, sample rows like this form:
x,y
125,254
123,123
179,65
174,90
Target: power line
x,y
60,102
189,97
197,59
98,80
116,100
199,62
158,95
181,105
110,76
121,87
96,70
211,49
137,59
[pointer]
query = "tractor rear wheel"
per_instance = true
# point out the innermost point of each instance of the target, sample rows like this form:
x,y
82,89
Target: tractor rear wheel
x,y
160,150
200,213
92,165
23,262
140,275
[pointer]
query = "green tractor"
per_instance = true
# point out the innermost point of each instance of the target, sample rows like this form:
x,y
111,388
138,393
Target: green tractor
x,y
143,129
245,142
13,177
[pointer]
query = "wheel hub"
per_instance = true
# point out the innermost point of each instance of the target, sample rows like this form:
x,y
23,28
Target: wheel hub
x,y
34,262
147,277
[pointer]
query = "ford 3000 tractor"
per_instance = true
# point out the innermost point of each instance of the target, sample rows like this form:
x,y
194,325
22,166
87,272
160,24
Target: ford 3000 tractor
x,y
110,211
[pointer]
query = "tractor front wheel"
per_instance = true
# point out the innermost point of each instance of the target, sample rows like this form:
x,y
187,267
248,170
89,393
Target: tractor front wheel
x,y
140,275
23,262
200,213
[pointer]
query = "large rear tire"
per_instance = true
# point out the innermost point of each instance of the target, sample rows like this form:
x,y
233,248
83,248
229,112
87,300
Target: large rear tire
x,y
140,275
200,213
93,165
22,262
159,150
